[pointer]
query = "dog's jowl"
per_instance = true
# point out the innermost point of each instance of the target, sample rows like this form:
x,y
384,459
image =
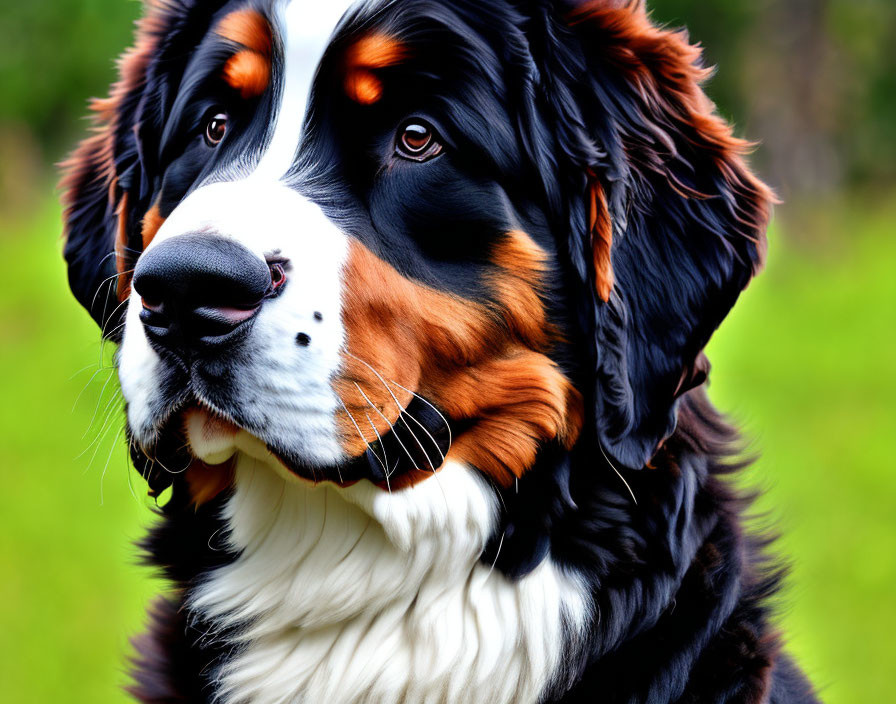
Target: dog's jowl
x,y
410,299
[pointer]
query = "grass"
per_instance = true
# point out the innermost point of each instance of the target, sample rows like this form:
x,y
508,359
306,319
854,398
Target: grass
x,y
71,594
804,363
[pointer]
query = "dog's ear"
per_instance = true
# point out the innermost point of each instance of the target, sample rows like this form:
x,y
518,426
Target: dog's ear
x,y
104,183
668,223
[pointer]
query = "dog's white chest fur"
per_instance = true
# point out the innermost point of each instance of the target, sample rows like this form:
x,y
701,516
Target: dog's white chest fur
x,y
358,595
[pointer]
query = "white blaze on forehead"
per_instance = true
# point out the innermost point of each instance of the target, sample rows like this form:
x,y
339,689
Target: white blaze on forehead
x,y
305,28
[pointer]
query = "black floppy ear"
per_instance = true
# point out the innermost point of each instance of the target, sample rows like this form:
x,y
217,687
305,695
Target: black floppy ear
x,y
92,223
104,185
674,221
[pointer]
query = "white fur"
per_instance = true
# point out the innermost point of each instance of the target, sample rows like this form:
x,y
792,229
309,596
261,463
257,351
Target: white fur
x,y
305,28
358,595
139,371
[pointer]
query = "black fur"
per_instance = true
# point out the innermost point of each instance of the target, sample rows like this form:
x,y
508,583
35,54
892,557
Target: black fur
x,y
537,101
176,658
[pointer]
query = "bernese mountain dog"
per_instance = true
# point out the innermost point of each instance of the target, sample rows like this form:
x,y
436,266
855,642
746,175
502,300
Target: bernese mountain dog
x,y
410,298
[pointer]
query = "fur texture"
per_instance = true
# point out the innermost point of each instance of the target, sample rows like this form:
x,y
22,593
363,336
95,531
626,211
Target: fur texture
x,y
388,587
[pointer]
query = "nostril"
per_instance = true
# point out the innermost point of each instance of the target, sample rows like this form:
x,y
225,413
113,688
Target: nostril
x,y
278,275
151,305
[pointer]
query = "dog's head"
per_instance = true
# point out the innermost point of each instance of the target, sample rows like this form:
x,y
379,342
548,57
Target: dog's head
x,y
360,242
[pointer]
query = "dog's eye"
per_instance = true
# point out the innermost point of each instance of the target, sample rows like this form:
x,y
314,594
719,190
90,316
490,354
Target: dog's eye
x,y
215,128
417,141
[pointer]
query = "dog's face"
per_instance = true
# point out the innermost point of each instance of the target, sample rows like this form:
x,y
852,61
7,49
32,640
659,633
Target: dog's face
x,y
357,243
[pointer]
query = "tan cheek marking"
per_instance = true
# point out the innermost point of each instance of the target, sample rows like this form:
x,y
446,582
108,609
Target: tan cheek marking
x,y
372,52
522,265
249,70
152,221
520,401
388,318
460,356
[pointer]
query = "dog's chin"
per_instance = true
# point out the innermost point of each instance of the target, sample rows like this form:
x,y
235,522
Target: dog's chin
x,y
198,432
216,440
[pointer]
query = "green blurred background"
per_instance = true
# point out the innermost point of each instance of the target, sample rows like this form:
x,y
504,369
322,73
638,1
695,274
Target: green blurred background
x,y
804,363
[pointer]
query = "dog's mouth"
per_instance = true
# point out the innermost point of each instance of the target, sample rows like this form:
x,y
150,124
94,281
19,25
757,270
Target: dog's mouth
x,y
198,437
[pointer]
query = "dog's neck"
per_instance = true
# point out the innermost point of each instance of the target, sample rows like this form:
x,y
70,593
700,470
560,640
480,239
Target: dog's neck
x,y
357,594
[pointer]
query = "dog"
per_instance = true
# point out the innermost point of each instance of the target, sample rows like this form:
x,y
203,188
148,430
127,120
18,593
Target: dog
x,y
410,299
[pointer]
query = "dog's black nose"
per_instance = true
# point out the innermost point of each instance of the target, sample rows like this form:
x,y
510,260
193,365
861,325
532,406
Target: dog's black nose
x,y
197,290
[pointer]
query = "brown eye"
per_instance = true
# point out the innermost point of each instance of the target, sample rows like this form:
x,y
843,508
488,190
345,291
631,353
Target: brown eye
x,y
215,129
417,141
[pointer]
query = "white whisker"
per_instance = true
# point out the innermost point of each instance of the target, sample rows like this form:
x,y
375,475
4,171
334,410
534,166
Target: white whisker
x,y
497,555
618,473
97,407
378,437
391,427
89,382
180,471
364,439
402,411
104,426
428,403
388,473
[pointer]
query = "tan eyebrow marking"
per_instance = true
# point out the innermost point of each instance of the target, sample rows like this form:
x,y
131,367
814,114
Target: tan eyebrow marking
x,y
363,58
248,70
247,28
